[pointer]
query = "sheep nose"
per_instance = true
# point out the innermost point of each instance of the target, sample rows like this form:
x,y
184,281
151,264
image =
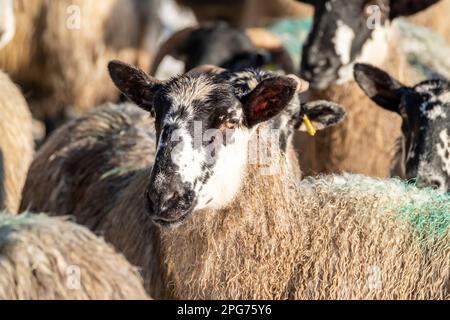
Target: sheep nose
x,y
167,205
433,183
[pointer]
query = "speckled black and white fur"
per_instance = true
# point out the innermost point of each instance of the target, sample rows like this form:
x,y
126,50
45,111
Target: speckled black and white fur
x,y
345,32
204,122
424,149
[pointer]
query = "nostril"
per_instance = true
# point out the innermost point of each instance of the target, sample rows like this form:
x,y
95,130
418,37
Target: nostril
x,y
169,196
436,184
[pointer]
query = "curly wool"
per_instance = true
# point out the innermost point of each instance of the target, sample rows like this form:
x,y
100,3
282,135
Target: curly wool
x,y
16,143
335,237
76,55
326,238
37,252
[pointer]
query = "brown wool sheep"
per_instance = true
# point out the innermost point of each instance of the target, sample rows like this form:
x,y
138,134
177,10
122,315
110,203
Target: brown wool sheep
x,y
61,48
334,237
51,258
16,143
365,142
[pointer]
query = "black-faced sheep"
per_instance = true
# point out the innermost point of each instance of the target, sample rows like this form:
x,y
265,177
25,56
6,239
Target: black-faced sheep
x,y
216,43
424,148
205,221
16,143
99,155
45,258
345,32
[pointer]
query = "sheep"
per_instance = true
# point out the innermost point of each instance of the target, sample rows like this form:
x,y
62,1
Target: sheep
x,y
51,258
219,44
71,42
16,143
216,43
100,153
344,33
423,150
211,225
249,13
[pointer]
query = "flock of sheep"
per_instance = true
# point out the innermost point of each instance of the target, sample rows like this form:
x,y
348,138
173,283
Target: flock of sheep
x,y
120,202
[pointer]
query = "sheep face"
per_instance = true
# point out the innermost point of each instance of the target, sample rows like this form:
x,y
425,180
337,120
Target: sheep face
x,y
425,110
345,32
203,127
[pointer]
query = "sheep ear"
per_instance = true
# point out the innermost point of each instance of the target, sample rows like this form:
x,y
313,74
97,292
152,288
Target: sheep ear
x,y
379,86
322,114
409,7
268,99
134,83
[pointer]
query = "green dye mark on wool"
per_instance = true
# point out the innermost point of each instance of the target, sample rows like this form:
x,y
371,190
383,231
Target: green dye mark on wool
x,y
430,218
9,223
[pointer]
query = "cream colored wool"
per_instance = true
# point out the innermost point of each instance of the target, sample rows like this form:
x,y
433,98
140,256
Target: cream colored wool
x,y
16,143
37,254
336,237
435,18
325,238
62,65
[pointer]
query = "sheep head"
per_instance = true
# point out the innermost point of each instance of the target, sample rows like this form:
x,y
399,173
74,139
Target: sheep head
x,y
205,121
345,32
425,111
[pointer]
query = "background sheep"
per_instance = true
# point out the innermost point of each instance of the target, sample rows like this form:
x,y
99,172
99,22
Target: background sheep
x,y
243,234
61,48
344,33
218,44
424,148
247,13
16,143
50,258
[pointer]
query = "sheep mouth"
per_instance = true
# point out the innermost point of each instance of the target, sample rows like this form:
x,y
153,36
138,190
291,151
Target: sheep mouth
x,y
171,223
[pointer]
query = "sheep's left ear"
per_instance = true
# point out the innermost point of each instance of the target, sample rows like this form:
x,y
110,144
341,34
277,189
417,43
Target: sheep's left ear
x,y
409,7
134,83
321,113
270,97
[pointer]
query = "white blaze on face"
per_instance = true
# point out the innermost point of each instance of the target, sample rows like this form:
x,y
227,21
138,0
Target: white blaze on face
x,y
7,22
228,171
375,51
343,40
186,155
443,150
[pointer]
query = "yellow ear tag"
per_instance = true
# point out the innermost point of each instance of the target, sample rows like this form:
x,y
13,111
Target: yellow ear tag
x,y
309,126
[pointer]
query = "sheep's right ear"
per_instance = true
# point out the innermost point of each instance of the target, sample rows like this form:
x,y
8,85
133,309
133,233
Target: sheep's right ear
x,y
321,113
270,97
134,83
379,86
